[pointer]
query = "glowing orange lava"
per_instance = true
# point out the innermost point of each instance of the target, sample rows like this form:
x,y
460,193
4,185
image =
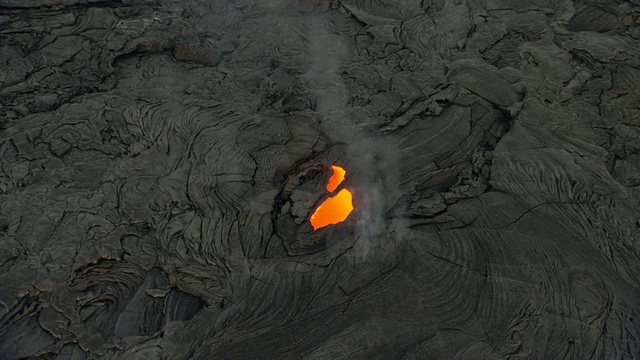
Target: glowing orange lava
x,y
336,208
336,178
333,210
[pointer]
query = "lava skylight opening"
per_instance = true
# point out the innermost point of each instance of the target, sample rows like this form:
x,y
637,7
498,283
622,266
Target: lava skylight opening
x,y
334,209
336,179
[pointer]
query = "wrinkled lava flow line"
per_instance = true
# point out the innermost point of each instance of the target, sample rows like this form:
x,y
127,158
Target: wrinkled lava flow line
x,y
334,209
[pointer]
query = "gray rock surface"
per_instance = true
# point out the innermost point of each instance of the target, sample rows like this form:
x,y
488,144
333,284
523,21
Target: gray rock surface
x,y
160,161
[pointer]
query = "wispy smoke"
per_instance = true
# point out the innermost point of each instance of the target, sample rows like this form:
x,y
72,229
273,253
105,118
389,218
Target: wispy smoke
x,y
377,162
373,161
326,52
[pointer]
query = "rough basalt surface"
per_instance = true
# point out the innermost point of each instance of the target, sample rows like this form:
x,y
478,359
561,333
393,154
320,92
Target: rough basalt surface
x,y
160,160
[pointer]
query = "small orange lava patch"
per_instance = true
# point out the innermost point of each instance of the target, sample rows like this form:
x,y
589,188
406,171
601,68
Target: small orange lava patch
x,y
337,178
337,208
334,210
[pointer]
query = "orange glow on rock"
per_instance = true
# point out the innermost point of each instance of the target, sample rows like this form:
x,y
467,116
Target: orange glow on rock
x,y
333,210
336,178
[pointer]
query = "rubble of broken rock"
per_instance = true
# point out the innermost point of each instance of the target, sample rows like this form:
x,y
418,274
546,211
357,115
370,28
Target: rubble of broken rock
x,y
154,199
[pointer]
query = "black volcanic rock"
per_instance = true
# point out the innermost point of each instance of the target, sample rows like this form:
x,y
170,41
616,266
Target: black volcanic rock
x,y
160,161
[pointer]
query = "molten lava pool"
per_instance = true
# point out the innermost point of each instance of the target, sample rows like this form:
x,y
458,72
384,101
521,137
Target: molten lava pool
x,y
334,209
